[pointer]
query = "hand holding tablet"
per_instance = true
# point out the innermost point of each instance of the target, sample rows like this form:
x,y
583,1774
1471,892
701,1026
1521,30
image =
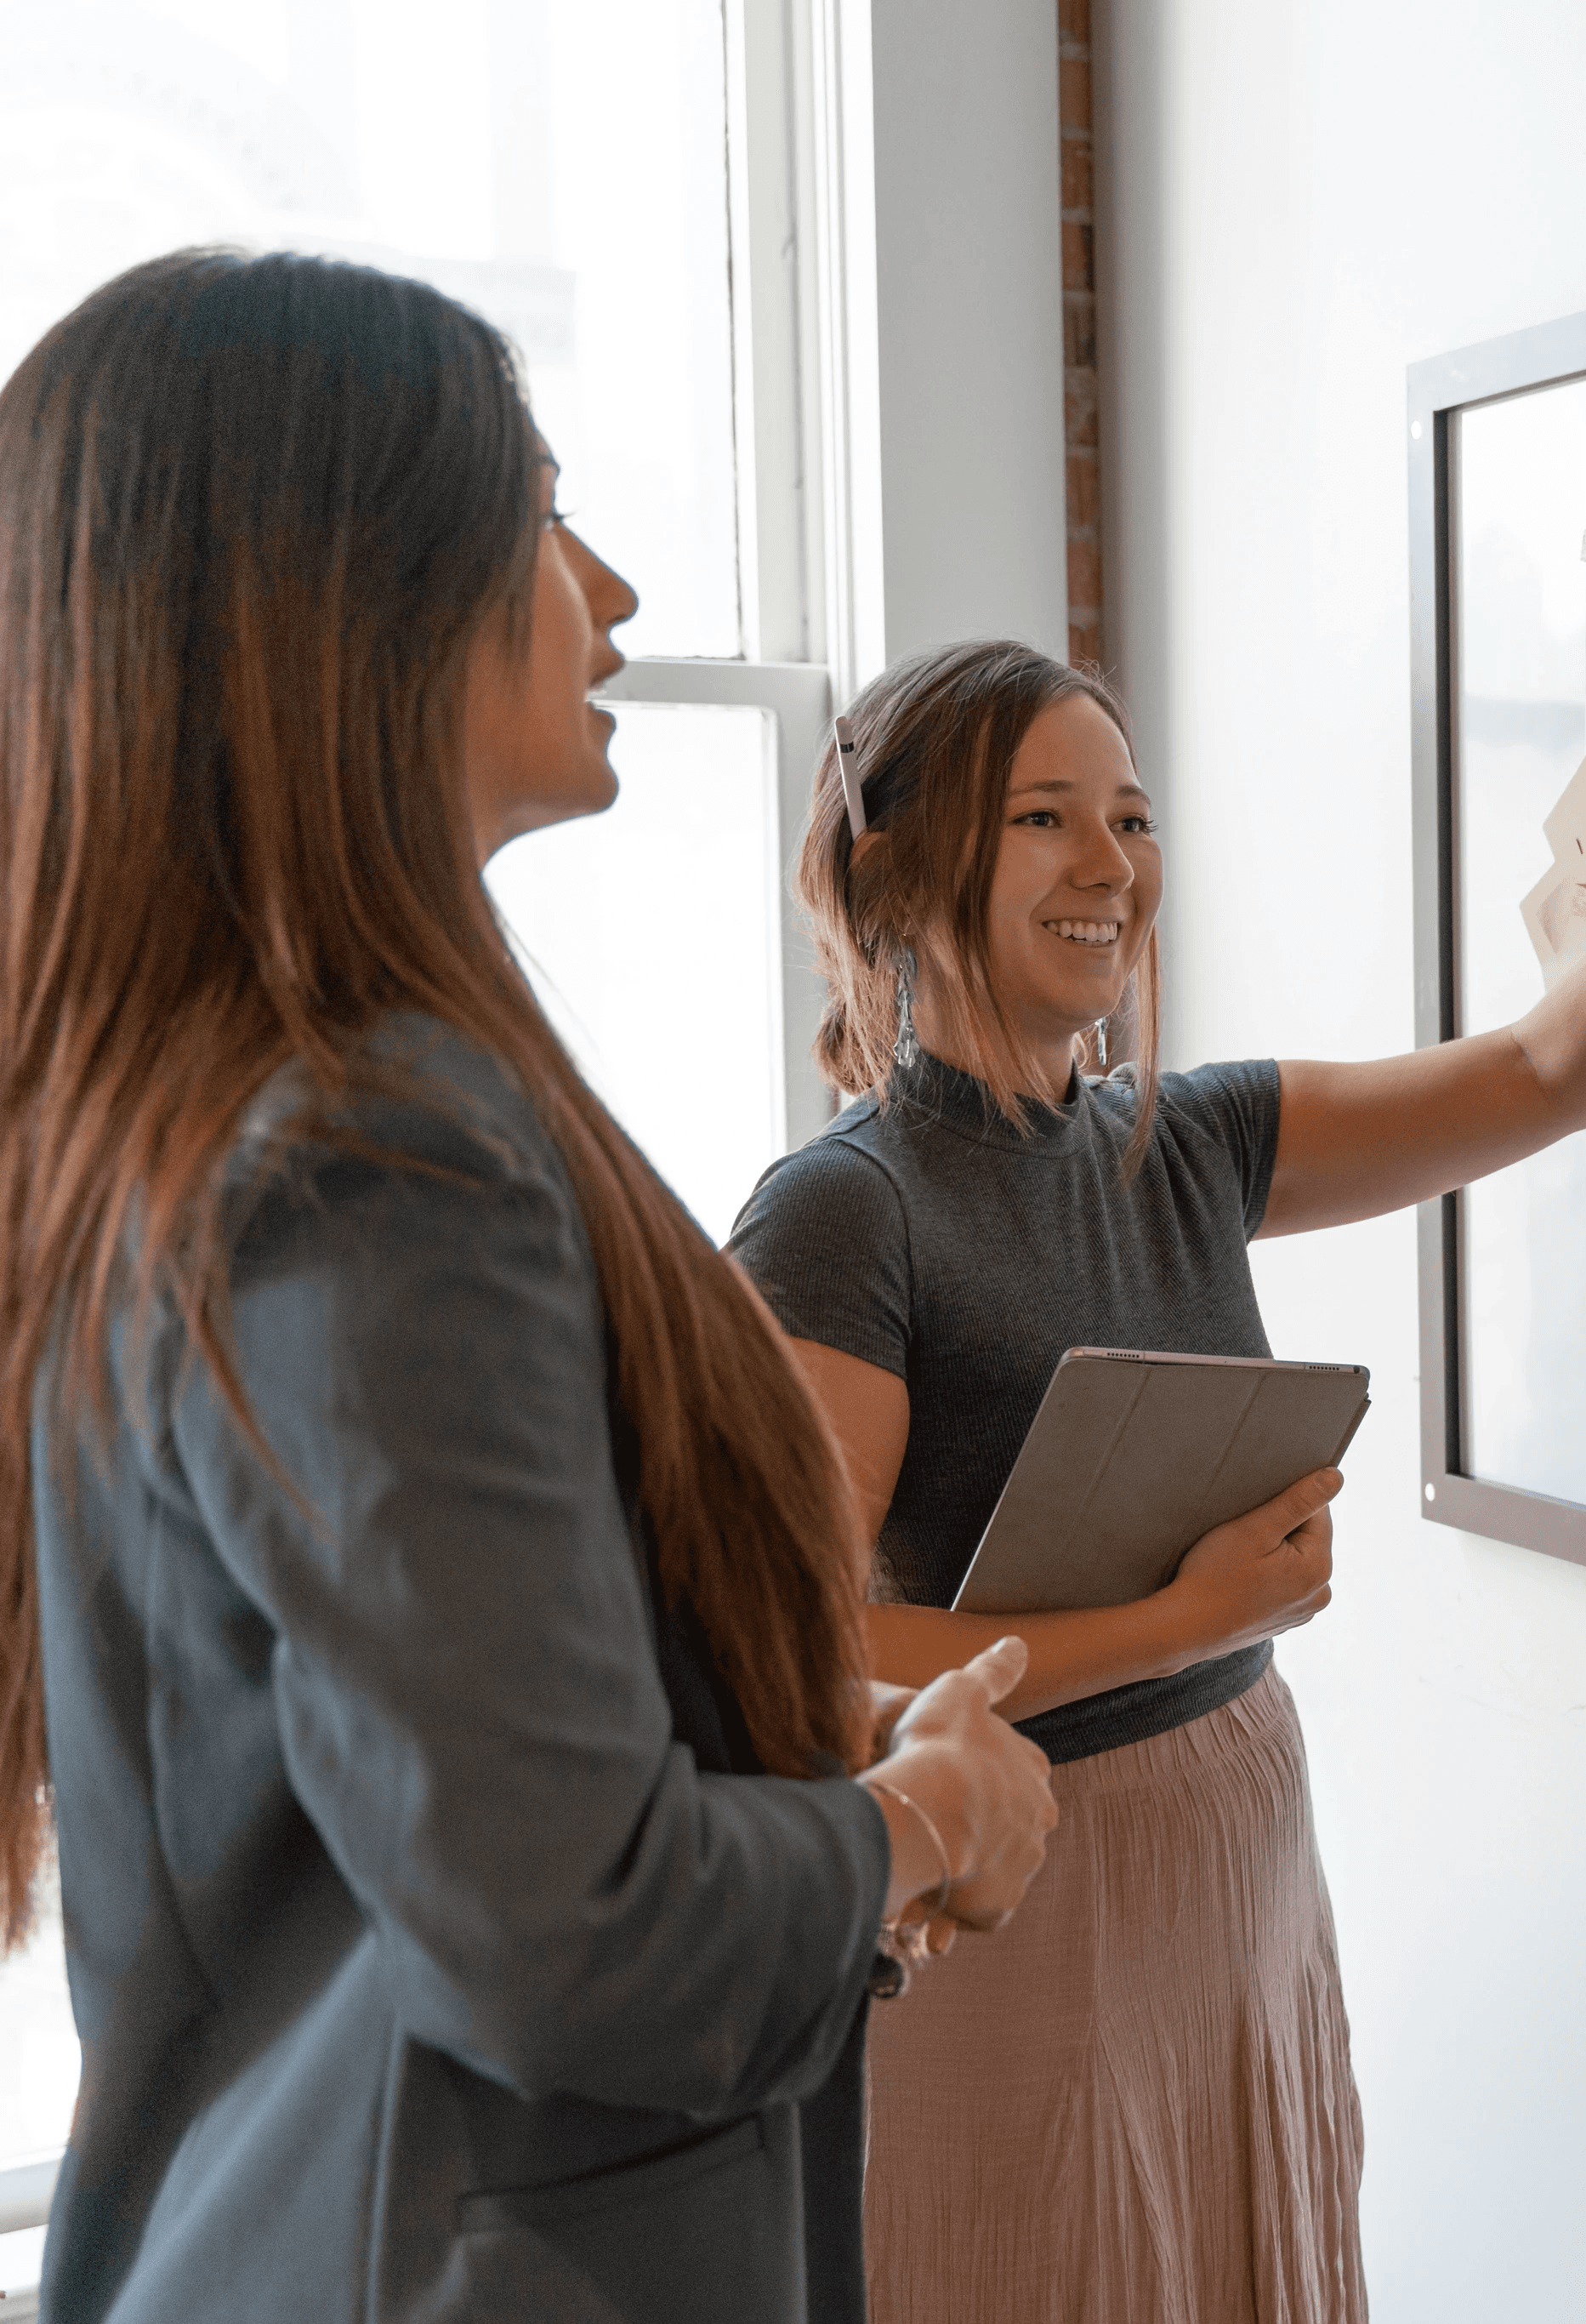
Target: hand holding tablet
x,y
1136,1455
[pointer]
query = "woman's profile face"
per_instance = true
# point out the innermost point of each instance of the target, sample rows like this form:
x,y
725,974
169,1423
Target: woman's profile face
x,y
533,745
1078,877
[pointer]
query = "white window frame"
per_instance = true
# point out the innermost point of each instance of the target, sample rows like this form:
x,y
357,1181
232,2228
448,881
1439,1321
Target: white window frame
x,y
797,698
900,458
26,2192
806,429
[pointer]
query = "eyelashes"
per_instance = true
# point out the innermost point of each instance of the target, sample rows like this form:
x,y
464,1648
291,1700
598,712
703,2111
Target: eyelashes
x,y
1136,826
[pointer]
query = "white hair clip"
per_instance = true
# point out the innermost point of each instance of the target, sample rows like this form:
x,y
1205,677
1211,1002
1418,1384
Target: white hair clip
x,y
847,767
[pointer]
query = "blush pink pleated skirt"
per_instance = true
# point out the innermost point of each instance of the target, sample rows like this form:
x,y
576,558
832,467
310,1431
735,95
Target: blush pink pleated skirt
x,y
1133,2104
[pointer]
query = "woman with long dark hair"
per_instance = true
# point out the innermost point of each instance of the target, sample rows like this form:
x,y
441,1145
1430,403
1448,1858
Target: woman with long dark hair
x,y
431,1595
1135,2106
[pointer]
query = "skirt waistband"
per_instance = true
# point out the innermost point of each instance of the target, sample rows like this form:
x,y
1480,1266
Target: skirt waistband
x,y
1264,1713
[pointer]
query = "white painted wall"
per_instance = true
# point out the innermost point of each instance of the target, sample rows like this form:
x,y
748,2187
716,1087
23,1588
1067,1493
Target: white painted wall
x,y
968,322
1304,197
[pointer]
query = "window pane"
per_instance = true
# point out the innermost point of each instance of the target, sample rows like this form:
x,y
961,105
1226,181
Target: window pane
x,y
1522,730
651,933
40,2059
22,2260
562,168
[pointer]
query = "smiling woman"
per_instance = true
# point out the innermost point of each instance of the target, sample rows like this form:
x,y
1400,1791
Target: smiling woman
x,y
934,1253
1075,891
952,747
1152,2111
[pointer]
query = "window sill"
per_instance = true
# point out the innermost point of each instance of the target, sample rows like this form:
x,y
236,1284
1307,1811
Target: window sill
x,y
26,2190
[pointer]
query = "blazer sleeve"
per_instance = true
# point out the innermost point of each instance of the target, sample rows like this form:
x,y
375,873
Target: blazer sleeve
x,y
469,1704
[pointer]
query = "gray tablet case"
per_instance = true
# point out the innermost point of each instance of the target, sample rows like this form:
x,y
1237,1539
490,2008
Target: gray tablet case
x,y
1134,1455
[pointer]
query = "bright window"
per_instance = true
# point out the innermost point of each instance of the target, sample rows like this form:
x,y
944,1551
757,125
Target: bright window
x,y
652,932
566,170
563,169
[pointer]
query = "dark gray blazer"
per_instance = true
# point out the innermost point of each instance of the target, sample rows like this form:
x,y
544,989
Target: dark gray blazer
x,y
430,1958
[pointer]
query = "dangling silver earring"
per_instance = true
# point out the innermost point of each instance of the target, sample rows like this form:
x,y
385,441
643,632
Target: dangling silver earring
x,y
1101,1043
905,1049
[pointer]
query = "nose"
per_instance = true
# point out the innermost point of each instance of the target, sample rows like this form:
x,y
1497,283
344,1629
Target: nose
x,y
1100,862
616,600
610,599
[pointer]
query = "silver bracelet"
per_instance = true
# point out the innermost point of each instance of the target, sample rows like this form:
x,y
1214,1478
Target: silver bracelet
x,y
938,1903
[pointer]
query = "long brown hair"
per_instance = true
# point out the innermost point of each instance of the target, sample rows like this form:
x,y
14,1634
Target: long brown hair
x,y
253,513
935,740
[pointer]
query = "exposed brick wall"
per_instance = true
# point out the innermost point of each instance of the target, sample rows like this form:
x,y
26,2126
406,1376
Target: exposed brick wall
x,y
1079,391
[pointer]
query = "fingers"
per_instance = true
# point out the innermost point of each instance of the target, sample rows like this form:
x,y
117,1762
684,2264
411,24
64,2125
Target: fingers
x,y
1315,1535
988,1787
1317,1526
936,1935
1289,1510
1305,1518
984,1903
886,1700
1037,1779
887,1706
999,1668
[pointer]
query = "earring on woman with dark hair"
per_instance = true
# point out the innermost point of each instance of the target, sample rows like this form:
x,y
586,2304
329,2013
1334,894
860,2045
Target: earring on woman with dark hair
x,y
1101,1043
905,1049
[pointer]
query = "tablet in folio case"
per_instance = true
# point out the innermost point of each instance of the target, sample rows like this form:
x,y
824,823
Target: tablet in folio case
x,y
1134,1455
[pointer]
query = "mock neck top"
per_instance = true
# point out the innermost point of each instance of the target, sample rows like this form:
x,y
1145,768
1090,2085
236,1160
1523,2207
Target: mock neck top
x,y
934,1238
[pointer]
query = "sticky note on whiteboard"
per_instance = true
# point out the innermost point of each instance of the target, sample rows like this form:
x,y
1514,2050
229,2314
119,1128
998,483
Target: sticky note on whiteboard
x,y
1565,828
1554,912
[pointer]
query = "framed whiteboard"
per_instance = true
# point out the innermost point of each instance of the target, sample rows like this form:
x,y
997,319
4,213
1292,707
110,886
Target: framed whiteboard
x,y
1498,599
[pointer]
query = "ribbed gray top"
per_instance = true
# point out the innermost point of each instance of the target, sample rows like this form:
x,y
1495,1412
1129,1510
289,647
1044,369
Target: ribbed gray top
x,y
937,1241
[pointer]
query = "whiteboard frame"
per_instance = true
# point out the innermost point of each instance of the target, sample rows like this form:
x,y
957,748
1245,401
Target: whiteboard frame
x,y
1548,354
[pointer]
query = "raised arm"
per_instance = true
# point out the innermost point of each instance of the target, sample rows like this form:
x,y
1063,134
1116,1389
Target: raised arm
x,y
1356,1140
1266,1573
